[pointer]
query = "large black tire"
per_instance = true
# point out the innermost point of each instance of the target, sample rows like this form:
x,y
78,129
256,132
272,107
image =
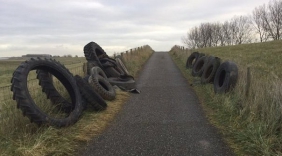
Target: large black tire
x,y
112,72
102,87
46,83
192,59
226,77
123,83
26,103
90,65
89,94
98,57
198,68
210,70
111,68
93,52
121,65
108,62
95,71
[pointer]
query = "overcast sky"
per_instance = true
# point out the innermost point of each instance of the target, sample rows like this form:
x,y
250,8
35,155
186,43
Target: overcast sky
x,y
61,27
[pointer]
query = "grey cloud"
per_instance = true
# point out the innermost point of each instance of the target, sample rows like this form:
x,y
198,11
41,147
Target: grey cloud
x,y
65,26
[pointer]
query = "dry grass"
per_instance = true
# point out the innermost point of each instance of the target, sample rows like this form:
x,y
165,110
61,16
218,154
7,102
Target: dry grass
x,y
20,137
136,58
7,67
252,125
28,139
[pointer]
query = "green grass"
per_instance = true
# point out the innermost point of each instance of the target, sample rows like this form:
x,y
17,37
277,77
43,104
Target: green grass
x,y
19,137
251,125
7,67
134,60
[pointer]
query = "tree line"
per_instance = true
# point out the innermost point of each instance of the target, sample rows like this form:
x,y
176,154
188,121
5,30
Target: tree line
x,y
264,24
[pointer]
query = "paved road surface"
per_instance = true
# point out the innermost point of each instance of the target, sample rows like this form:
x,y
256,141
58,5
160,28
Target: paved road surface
x,y
165,119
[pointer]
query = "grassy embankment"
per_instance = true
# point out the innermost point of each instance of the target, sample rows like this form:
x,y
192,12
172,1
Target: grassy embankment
x,y
251,124
20,137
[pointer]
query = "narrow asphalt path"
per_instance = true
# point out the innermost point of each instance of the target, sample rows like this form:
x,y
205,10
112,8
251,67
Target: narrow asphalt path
x,y
165,119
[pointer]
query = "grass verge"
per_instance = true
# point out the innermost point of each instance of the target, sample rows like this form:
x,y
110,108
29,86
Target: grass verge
x,y
21,138
250,124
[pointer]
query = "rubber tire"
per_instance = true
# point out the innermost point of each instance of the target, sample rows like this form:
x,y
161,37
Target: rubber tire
x,y
90,65
125,84
226,77
90,95
200,55
26,103
210,70
46,83
95,71
92,52
112,72
191,58
121,65
108,62
102,87
198,68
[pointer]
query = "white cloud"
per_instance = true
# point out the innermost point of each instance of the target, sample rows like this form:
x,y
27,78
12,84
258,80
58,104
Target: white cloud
x,y
65,26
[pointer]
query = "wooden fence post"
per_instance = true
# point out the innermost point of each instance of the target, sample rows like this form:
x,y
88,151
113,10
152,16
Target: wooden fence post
x,y
121,54
84,68
248,85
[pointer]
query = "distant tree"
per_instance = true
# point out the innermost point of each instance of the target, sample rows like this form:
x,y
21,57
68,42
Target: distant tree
x,y
76,56
226,33
241,30
259,23
271,16
216,34
275,18
192,39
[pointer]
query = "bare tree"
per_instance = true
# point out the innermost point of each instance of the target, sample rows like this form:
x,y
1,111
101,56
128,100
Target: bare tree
x,y
275,15
241,30
216,34
272,18
259,24
227,33
192,39
266,22
203,35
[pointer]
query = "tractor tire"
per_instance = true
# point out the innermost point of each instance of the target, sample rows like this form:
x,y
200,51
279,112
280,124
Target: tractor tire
x,y
123,83
198,68
90,95
95,71
102,87
226,77
26,103
192,59
121,66
210,70
46,83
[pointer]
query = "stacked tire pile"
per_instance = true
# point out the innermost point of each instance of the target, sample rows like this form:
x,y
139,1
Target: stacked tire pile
x,y
210,69
115,70
97,86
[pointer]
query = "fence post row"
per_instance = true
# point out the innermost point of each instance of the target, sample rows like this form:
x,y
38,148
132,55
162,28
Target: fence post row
x,y
248,85
84,68
132,51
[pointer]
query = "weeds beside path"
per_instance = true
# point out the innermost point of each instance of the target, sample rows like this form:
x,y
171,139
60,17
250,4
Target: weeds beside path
x,y
165,119
19,137
251,124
